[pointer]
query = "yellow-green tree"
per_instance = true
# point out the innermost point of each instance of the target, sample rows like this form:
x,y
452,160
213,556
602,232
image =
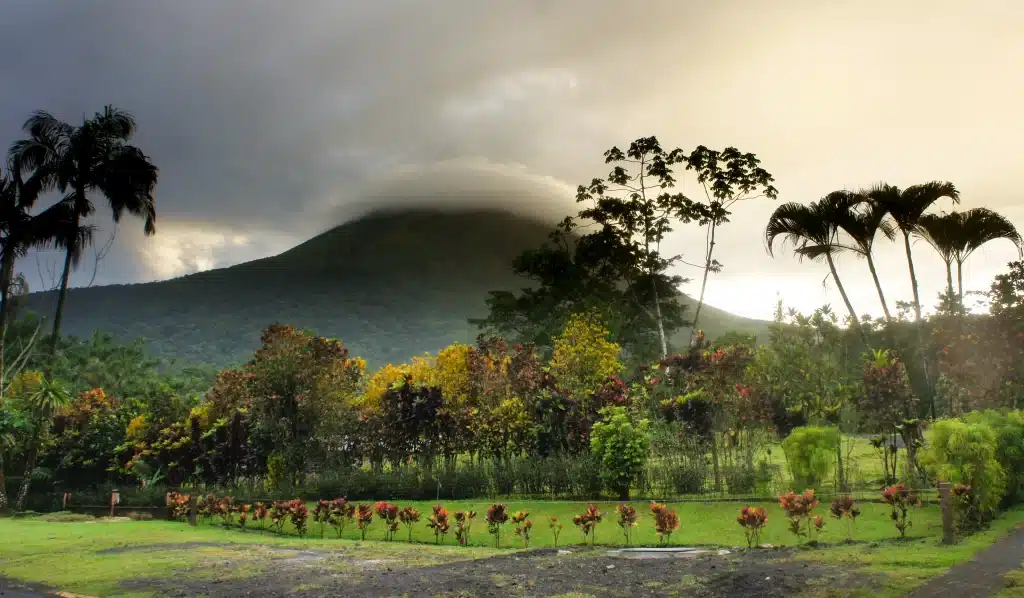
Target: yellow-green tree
x,y
583,357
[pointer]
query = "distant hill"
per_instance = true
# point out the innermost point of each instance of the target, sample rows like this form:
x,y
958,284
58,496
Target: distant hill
x,y
390,285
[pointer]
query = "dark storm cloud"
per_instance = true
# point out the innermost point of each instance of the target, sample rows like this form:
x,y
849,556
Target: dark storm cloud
x,y
266,116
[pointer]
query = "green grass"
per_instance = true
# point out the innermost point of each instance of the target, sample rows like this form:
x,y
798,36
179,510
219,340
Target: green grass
x,y
701,524
1014,582
68,555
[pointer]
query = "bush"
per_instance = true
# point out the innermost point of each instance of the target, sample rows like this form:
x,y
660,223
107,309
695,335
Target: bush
x,y
622,447
811,454
740,479
965,453
1009,430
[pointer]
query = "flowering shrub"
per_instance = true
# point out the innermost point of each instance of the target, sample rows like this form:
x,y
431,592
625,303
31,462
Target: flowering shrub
x,y
299,513
587,522
224,507
278,515
900,499
666,521
438,522
322,514
409,516
177,505
523,526
341,514
259,513
463,521
388,513
364,517
206,506
627,520
243,515
753,520
496,517
556,528
799,508
845,507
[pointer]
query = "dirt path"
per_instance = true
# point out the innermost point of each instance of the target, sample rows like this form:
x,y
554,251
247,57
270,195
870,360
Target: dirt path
x,y
12,589
980,576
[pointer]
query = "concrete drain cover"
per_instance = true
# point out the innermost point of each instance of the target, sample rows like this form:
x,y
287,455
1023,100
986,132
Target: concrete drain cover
x,y
656,553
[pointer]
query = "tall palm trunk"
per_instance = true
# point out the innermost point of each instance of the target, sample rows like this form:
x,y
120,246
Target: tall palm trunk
x,y
6,273
949,279
959,283
30,465
846,298
920,324
704,283
65,275
878,287
3,484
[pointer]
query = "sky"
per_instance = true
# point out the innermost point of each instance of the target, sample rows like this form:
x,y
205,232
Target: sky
x,y
272,121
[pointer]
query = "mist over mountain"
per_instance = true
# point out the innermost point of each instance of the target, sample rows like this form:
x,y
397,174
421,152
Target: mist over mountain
x,y
390,285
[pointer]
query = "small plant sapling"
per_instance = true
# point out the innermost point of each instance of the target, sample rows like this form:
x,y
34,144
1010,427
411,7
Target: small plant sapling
x,y
408,516
299,513
799,508
243,515
846,508
364,517
753,520
556,528
900,499
587,522
628,519
342,513
666,521
226,511
463,521
259,513
497,516
177,505
523,526
322,514
388,513
278,516
438,521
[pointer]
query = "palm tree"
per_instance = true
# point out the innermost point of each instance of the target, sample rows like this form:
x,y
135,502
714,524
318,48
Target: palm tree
x,y
955,236
11,424
48,399
906,207
94,157
862,223
813,231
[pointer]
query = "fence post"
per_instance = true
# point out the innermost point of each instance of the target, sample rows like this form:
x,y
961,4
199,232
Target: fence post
x,y
192,509
946,503
115,497
64,500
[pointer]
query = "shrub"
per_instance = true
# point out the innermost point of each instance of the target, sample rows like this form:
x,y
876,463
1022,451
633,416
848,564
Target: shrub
x,y
740,479
965,509
259,513
900,499
799,509
964,453
322,514
556,528
1009,430
587,522
811,454
224,507
388,513
243,515
846,507
463,521
364,517
299,513
177,505
666,521
753,519
438,522
622,447
583,357
409,516
278,516
523,526
341,514
627,520
496,517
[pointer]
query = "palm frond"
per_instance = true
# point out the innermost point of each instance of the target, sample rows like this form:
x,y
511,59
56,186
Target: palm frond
x,y
906,206
978,226
940,231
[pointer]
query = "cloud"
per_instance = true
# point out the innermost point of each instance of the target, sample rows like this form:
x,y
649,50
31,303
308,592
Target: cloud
x,y
265,116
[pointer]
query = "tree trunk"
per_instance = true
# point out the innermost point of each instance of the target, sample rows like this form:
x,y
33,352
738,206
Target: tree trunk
x,y
704,283
3,485
6,268
714,463
949,280
960,283
30,465
878,287
846,299
920,325
61,297
657,315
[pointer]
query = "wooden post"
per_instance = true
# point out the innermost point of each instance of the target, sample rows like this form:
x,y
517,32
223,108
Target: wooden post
x,y
115,498
192,509
65,499
946,504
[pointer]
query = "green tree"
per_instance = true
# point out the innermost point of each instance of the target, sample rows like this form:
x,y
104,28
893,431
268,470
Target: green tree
x,y
813,231
583,357
48,398
94,157
622,445
635,211
862,221
12,425
727,177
